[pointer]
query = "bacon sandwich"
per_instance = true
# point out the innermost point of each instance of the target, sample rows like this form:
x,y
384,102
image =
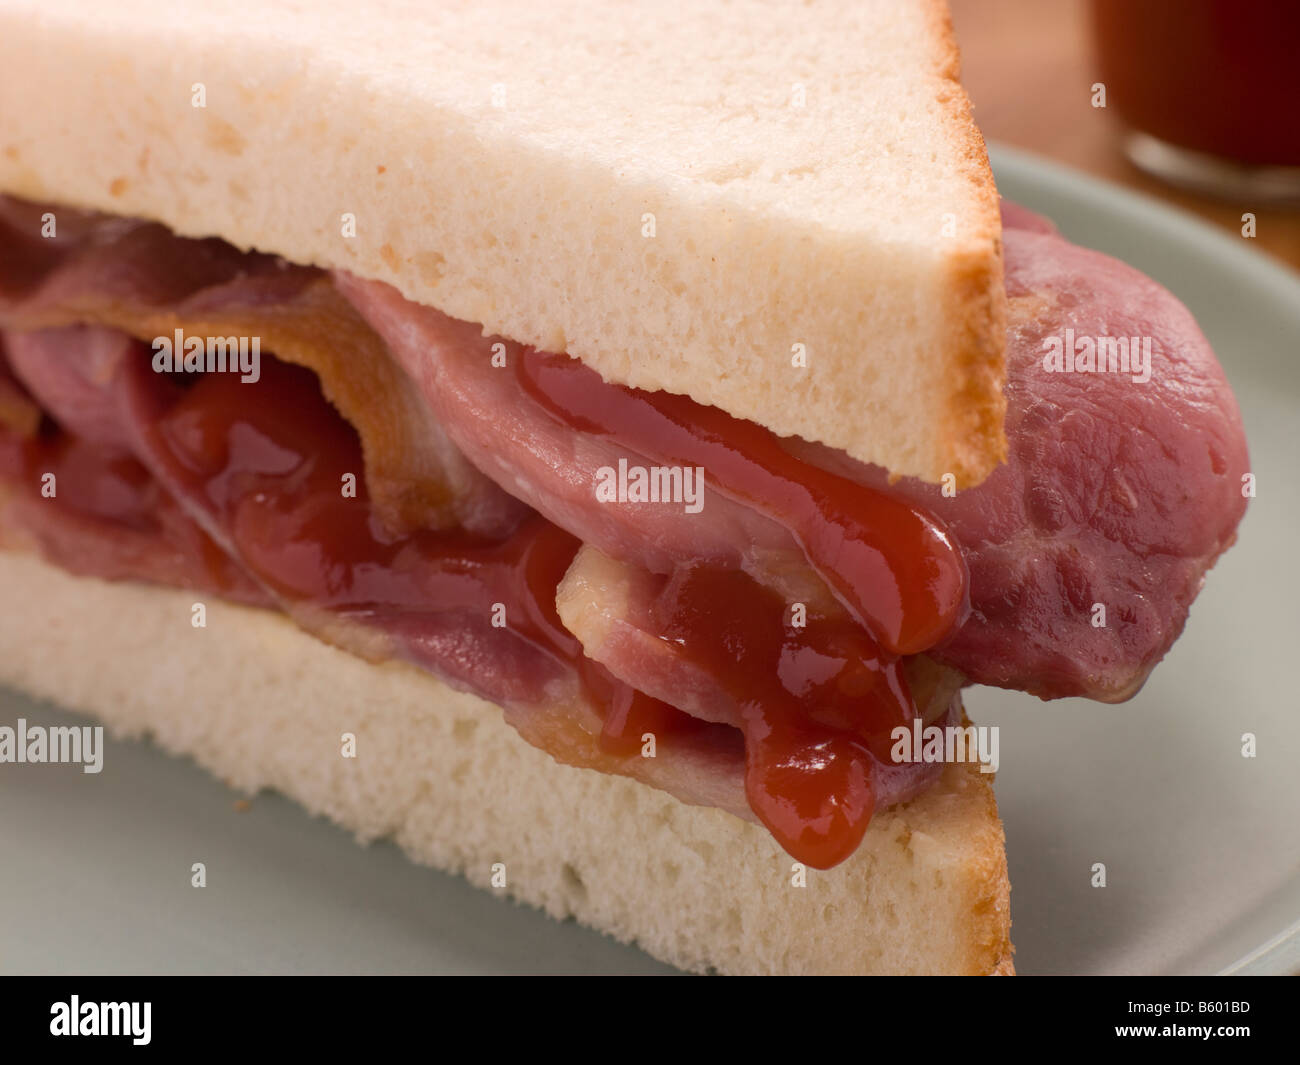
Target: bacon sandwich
x,y
582,441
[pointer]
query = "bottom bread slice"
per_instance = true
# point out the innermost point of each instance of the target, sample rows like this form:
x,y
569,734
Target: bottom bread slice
x,y
261,704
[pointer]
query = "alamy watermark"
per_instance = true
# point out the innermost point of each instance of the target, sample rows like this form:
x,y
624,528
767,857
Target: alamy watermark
x,y
946,743
1102,354
75,745
130,1019
179,353
651,484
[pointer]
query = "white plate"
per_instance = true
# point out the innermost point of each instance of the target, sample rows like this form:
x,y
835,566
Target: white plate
x,y
1201,846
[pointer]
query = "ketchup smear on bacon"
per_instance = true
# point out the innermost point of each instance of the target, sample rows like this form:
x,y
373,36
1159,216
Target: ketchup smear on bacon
x,y
893,567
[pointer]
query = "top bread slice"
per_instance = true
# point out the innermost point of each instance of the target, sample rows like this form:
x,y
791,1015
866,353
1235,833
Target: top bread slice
x,y
782,209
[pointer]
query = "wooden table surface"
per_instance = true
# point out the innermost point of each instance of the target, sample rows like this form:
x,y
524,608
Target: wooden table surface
x,y
1028,66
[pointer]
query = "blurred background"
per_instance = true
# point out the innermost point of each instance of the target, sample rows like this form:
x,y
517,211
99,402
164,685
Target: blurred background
x,y
1203,93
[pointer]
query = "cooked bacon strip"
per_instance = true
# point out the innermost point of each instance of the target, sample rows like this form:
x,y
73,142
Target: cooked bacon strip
x,y
140,278
1114,492
68,371
507,436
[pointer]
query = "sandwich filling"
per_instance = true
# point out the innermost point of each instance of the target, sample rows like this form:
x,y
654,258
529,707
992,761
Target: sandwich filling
x,y
644,584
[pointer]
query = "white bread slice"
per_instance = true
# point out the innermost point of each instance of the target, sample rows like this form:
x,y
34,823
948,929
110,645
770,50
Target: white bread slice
x,y
812,169
262,705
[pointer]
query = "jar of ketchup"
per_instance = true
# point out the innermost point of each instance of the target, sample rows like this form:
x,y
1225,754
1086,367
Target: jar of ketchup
x,y
1210,89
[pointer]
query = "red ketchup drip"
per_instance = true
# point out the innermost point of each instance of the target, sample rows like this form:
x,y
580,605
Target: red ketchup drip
x,y
816,704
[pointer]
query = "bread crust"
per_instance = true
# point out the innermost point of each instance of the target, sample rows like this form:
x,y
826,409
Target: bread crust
x,y
977,406
263,705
